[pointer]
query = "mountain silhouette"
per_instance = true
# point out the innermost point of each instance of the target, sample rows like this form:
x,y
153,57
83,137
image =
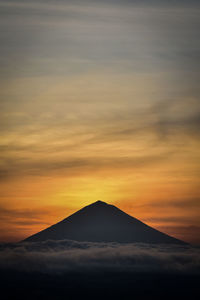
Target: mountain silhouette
x,y
102,222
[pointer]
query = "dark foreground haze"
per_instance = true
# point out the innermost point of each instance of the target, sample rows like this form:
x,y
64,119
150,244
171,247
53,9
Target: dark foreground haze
x,y
68,269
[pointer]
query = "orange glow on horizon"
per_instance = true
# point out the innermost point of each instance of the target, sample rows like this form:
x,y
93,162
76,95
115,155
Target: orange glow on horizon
x,y
99,104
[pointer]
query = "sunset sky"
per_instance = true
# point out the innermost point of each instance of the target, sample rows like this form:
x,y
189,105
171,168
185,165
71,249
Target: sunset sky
x,y
99,100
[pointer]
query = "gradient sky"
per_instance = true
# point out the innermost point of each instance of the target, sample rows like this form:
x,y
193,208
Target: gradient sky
x,y
99,100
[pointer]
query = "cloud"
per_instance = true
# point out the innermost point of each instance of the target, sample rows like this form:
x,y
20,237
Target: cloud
x,y
28,217
165,124
97,32
54,257
190,202
77,166
189,233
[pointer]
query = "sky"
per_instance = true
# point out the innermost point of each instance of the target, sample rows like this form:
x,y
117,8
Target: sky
x,y
99,100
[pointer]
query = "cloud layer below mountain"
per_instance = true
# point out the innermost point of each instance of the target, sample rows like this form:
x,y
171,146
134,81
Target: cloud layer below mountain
x,y
58,257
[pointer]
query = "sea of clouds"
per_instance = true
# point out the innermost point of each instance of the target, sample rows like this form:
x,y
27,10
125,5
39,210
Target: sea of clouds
x,y
58,257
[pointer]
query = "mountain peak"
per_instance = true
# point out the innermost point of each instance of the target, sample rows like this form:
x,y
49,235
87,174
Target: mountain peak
x,y
103,222
98,203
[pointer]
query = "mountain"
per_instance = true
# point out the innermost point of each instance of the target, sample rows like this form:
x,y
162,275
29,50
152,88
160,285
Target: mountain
x,y
102,222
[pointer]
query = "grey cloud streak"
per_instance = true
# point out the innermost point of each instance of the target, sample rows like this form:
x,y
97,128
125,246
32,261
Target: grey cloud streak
x,y
79,166
107,32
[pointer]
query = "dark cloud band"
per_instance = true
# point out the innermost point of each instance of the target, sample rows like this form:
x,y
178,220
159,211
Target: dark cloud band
x,y
66,256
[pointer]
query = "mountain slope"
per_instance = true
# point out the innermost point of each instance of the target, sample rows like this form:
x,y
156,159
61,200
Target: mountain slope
x,y
101,222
